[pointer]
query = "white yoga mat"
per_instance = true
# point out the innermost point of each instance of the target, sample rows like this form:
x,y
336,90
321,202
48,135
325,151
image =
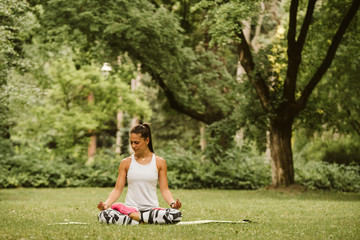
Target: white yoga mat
x,y
69,223
180,223
211,221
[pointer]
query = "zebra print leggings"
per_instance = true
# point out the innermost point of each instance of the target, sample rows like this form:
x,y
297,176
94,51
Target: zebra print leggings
x,y
153,216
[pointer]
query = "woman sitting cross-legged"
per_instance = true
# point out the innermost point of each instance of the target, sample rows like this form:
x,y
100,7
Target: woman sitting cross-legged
x,y
142,170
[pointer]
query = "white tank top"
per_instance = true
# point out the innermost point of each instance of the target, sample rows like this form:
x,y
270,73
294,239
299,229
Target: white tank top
x,y
142,182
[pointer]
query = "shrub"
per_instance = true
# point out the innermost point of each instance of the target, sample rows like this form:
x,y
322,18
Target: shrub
x,y
344,150
23,171
237,170
322,175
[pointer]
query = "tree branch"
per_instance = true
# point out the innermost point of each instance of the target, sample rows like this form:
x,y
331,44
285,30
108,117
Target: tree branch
x,y
305,25
248,64
293,55
295,48
292,25
254,43
301,103
207,117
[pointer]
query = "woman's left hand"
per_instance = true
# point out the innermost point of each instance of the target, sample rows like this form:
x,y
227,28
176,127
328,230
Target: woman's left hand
x,y
176,205
102,206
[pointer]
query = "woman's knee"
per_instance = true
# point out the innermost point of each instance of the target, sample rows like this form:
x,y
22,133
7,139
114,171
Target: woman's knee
x,y
111,216
108,216
175,215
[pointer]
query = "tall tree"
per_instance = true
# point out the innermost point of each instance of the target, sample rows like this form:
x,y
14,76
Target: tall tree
x,y
199,83
59,119
283,114
284,88
11,38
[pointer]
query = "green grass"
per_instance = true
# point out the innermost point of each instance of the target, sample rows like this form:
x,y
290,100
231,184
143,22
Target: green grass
x,y
31,213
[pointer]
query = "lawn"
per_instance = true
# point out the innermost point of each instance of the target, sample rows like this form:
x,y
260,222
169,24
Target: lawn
x,y
33,214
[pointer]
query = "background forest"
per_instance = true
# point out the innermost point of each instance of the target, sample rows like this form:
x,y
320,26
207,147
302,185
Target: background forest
x,y
241,94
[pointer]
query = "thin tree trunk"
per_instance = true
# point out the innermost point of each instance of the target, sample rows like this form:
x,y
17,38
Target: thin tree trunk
x,y
135,121
92,144
281,153
119,118
91,150
202,140
135,83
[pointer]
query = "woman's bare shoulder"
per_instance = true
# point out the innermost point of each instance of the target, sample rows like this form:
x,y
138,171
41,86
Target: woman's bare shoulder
x,y
127,159
125,162
160,161
158,158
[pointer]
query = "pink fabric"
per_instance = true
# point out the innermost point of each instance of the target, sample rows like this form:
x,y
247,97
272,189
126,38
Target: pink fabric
x,y
123,209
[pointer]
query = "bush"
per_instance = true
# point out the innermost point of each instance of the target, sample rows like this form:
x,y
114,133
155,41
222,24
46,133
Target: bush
x,y
238,170
328,164
322,175
23,171
344,150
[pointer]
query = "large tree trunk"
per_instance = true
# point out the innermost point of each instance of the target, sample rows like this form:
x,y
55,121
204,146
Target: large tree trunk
x,y
281,152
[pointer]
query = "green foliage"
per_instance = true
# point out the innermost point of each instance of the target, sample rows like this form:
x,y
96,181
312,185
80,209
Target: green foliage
x,y
220,138
35,171
151,36
343,150
325,176
61,116
210,83
334,103
331,164
12,35
167,124
48,111
14,30
224,18
239,169
250,118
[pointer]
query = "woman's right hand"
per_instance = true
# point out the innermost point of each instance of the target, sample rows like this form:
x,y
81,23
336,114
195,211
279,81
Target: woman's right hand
x,y
102,206
177,204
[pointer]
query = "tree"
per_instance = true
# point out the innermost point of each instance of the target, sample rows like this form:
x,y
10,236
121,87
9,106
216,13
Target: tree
x,y
150,36
11,38
285,93
14,31
283,113
200,83
336,100
58,120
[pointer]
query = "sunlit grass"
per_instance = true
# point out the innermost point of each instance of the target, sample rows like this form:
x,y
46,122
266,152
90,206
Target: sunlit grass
x,y
32,213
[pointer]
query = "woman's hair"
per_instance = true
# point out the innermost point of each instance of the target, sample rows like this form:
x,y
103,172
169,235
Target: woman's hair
x,y
145,132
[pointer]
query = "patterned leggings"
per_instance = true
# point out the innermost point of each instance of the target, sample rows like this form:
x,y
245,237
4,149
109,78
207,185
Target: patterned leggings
x,y
153,216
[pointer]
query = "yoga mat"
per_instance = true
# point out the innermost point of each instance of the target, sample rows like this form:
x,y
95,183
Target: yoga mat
x,y
69,223
180,223
211,221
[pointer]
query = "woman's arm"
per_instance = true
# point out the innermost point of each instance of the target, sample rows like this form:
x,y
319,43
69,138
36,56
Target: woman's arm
x,y
163,184
119,186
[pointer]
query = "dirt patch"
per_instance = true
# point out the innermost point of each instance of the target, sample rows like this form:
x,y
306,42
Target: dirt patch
x,y
293,188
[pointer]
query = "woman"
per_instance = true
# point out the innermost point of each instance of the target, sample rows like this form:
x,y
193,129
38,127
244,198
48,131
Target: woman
x,y
142,170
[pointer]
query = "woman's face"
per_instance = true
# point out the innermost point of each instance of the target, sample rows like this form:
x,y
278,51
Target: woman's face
x,y
138,144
